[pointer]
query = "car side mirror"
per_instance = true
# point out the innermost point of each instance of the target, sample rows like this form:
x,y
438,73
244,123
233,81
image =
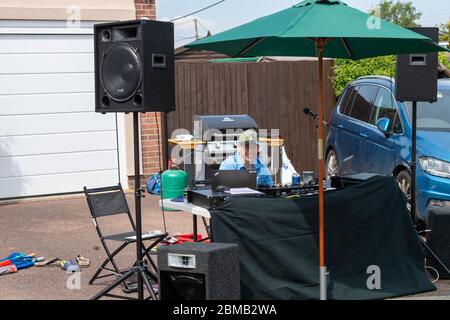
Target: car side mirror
x,y
384,125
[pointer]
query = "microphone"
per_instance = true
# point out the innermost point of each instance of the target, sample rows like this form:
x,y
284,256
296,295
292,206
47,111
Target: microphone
x,y
308,112
315,116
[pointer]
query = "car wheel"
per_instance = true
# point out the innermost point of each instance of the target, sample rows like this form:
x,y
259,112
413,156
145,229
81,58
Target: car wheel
x,y
332,165
404,182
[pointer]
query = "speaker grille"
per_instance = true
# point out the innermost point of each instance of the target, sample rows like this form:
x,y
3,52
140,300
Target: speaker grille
x,y
120,72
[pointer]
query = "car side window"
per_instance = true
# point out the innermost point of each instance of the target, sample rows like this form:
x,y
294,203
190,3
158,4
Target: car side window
x,y
363,102
383,107
398,128
347,101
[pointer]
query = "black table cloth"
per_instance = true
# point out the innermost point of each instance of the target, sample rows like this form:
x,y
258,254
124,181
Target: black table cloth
x,y
365,225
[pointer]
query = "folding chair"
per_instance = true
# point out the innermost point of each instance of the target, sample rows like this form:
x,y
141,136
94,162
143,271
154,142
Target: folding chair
x,y
111,201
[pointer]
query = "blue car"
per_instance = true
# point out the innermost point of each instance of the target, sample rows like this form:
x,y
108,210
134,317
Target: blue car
x,y
371,132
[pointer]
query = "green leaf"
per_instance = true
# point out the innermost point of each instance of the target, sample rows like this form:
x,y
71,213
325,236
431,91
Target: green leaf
x,y
346,71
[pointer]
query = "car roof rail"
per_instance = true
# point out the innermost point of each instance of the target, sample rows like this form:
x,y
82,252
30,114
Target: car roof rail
x,y
377,78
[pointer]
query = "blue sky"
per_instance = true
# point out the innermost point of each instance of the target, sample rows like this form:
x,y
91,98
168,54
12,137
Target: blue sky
x,y
232,13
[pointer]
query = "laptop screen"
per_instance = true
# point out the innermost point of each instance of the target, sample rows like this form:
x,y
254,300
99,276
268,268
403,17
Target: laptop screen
x,y
234,179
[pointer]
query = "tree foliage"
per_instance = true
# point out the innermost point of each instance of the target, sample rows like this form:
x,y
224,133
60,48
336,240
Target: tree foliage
x,y
444,31
345,71
401,13
443,59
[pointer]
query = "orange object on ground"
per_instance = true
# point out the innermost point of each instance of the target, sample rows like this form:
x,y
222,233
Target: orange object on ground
x,y
187,238
8,269
183,238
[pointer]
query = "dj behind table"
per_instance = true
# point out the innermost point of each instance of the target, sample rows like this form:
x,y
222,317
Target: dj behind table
x,y
226,184
367,224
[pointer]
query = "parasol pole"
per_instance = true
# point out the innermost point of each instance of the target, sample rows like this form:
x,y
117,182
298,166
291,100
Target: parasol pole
x,y
320,46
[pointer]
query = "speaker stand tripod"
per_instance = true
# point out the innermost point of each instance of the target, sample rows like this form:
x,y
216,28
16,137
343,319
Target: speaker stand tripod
x,y
139,268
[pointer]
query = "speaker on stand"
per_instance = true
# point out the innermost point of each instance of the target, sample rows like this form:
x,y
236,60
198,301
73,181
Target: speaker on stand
x,y
417,74
134,67
134,72
416,81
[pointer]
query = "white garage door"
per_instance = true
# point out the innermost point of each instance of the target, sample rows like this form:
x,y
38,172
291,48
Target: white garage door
x,y
51,141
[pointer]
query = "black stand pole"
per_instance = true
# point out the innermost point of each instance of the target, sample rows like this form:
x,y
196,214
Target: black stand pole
x,y
165,138
137,203
414,162
139,268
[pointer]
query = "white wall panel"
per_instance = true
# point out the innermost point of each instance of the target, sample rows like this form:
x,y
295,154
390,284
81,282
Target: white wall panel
x,y
46,103
46,83
55,123
57,163
46,63
57,143
54,184
51,140
20,44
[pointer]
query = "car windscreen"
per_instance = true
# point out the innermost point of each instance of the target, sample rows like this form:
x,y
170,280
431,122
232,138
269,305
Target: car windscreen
x,y
433,116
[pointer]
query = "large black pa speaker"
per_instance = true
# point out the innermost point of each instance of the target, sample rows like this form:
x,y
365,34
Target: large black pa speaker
x,y
199,271
417,74
438,221
134,66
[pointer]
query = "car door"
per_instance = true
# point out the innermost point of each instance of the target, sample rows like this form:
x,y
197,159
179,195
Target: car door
x,y
357,119
347,134
378,149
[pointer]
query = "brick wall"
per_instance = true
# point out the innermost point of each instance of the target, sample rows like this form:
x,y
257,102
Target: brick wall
x,y
150,121
151,146
145,8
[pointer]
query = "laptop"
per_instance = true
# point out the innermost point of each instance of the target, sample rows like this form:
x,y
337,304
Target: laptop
x,y
234,179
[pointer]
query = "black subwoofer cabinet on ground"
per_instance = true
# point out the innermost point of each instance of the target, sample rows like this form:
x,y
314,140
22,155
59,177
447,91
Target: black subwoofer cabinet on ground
x,y
417,74
199,271
438,221
134,66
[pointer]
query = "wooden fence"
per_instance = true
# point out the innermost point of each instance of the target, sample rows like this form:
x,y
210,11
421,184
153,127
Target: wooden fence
x,y
273,93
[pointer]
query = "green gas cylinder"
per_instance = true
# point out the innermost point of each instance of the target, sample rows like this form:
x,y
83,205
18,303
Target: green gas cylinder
x,y
174,183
